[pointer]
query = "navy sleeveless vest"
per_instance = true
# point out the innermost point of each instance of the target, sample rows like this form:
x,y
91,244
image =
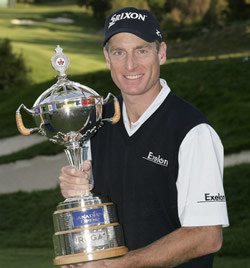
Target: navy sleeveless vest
x,y
139,173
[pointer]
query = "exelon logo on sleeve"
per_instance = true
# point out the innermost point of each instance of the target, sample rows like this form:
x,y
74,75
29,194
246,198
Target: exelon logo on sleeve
x,y
213,198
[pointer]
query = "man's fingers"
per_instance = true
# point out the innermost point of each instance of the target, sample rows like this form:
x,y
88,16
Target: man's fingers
x,y
79,191
75,180
75,187
71,171
86,165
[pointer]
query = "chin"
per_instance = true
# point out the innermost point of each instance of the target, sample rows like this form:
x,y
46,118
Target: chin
x,y
132,91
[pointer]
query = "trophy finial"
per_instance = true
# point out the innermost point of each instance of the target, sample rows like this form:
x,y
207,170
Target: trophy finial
x,y
60,61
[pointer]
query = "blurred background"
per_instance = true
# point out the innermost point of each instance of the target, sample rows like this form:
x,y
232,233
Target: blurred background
x,y
208,64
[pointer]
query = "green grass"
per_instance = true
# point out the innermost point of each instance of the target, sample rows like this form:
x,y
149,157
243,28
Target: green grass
x,y
26,218
227,262
26,258
80,41
220,89
236,184
228,41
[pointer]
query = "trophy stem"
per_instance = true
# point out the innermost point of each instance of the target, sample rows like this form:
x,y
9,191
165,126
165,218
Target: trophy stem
x,y
76,154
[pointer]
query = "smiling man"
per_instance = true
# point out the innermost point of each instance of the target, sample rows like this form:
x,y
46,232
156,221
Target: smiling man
x,y
160,163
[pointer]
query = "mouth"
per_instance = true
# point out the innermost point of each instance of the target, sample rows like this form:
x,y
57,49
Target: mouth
x,y
133,77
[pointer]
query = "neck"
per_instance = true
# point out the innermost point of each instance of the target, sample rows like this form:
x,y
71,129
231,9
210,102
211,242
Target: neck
x,y
136,105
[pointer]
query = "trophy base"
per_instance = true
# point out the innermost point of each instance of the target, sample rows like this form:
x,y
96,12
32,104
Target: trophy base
x,y
86,229
90,256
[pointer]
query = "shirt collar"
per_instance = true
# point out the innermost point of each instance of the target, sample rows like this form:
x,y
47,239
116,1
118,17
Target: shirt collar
x,y
150,110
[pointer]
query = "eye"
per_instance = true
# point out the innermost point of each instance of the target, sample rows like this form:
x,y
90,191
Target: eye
x,y
117,53
142,51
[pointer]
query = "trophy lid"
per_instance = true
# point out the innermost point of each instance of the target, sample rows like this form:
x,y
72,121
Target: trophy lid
x,y
64,89
68,112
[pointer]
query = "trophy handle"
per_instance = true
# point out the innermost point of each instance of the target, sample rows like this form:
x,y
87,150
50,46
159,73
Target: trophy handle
x,y
117,115
19,121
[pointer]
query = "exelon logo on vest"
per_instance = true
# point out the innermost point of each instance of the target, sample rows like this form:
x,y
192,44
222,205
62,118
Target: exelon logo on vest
x,y
156,159
126,15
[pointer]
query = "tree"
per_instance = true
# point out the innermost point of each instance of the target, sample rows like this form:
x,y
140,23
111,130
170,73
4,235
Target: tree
x,y
185,12
118,4
240,9
99,8
157,7
218,12
13,71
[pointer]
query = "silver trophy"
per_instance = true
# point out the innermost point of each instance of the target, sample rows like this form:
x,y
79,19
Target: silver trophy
x,y
69,113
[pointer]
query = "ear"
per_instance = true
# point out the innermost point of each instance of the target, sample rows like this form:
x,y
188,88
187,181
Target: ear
x,y
106,55
162,54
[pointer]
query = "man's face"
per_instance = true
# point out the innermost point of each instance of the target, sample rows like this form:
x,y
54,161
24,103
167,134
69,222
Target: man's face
x,y
134,63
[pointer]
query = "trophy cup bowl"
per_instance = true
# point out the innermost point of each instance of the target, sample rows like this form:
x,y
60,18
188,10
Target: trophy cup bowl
x,y
69,113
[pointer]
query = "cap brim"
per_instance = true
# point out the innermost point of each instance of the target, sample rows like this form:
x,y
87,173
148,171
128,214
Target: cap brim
x,y
129,30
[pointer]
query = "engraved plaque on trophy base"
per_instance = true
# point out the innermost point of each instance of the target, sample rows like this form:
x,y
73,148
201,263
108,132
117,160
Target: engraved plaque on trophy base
x,y
86,229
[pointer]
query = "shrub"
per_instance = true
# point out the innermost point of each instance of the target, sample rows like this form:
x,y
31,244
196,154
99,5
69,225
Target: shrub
x,y
218,13
118,4
99,8
13,71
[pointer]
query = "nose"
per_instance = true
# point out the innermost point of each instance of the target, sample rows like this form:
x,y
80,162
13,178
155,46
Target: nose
x,y
131,62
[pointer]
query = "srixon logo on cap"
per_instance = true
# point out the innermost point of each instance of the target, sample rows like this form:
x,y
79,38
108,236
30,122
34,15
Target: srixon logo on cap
x,y
126,15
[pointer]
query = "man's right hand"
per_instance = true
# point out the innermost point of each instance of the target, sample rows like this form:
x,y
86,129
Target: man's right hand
x,y
75,182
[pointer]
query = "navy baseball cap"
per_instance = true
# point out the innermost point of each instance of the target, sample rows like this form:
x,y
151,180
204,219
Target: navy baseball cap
x,y
140,22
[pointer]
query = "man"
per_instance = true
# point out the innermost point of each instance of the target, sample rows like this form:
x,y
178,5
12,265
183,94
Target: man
x,y
162,164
